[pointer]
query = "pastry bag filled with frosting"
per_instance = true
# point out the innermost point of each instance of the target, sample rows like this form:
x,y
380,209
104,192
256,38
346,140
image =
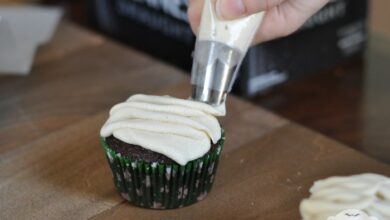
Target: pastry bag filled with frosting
x,y
220,48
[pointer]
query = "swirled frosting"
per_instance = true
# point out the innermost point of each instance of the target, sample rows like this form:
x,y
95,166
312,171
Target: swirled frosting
x,y
179,129
367,192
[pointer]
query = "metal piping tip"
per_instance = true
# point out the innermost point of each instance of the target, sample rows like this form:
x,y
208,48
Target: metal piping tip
x,y
209,96
214,71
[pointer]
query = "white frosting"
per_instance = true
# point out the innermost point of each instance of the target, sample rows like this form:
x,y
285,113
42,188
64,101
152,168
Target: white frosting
x,y
367,192
179,129
237,33
352,214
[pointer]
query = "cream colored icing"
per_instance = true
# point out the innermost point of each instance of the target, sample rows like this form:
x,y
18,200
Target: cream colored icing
x,y
367,192
179,129
236,33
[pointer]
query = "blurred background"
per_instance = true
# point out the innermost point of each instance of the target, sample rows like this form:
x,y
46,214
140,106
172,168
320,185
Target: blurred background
x,y
331,75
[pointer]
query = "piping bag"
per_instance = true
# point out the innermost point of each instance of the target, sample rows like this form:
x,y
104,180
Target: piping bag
x,y
220,47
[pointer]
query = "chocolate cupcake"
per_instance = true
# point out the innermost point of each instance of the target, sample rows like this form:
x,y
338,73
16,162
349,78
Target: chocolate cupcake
x,y
163,151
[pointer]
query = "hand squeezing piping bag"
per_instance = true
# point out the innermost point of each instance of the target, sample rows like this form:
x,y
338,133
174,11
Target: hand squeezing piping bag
x,y
219,50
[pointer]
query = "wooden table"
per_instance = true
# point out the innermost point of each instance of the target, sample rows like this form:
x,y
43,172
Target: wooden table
x,y
52,166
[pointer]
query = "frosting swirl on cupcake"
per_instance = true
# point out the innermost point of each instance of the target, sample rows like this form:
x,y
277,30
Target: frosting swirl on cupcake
x,y
179,129
368,192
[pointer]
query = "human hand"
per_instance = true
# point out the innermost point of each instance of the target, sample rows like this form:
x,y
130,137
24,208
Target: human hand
x,y
282,17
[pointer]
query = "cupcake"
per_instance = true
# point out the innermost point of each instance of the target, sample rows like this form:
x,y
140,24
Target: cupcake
x,y
163,151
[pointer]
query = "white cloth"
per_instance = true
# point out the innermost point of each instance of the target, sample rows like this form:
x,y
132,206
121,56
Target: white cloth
x,y
22,30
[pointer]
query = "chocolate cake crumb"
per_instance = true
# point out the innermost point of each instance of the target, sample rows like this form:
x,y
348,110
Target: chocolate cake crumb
x,y
136,152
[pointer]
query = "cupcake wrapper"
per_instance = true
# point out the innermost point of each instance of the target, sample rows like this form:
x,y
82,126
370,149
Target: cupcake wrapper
x,y
160,186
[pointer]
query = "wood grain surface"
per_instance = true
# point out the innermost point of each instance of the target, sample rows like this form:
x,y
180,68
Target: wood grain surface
x,y
53,167
67,85
265,178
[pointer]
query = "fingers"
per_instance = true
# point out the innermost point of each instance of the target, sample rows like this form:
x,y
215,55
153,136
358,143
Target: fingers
x,y
286,18
194,14
282,17
232,9
228,9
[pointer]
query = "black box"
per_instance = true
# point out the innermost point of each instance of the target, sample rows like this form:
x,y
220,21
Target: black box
x,y
333,35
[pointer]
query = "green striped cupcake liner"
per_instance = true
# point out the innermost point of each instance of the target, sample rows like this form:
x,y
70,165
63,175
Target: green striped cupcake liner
x,y
161,186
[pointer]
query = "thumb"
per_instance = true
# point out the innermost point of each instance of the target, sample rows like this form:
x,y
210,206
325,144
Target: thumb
x,y
232,9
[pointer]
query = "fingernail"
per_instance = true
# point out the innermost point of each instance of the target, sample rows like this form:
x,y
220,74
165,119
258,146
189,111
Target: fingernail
x,y
230,9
